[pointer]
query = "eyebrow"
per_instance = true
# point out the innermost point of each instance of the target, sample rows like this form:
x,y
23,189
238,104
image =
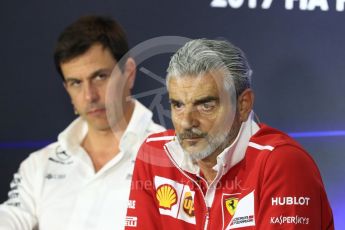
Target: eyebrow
x,y
197,102
173,101
205,100
71,79
98,72
92,75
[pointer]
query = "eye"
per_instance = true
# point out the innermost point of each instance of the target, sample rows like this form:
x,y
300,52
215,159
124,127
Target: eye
x,y
176,105
207,106
74,83
101,76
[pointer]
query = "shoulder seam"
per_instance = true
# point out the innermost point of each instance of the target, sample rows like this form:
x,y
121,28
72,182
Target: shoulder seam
x,y
261,147
164,138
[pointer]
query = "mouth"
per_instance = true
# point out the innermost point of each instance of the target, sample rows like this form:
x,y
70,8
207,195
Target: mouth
x,y
191,141
96,112
191,138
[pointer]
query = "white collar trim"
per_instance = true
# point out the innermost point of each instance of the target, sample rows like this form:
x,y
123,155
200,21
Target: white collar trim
x,y
225,160
74,134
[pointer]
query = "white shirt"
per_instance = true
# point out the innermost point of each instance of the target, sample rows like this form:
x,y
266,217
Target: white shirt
x,y
57,187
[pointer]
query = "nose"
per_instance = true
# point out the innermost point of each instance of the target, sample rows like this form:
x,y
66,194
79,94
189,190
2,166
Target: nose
x,y
91,92
189,118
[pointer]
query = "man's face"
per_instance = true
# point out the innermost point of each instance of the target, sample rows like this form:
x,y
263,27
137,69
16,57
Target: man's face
x,y
86,80
202,113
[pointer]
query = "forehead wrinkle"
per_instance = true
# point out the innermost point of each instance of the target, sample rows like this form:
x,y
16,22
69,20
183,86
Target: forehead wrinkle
x,y
193,88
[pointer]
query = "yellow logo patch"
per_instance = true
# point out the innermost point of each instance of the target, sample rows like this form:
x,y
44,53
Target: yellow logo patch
x,y
188,204
166,196
231,204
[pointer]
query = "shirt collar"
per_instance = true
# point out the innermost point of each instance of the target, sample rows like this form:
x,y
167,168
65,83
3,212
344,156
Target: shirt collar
x,y
226,159
236,151
137,126
73,135
70,139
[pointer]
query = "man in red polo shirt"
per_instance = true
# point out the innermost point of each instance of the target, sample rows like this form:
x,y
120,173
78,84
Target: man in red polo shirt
x,y
219,169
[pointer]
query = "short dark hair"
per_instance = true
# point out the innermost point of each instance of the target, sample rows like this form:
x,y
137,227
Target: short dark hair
x,y
78,37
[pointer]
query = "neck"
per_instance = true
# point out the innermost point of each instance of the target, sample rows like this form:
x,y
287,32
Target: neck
x,y
100,139
103,145
206,165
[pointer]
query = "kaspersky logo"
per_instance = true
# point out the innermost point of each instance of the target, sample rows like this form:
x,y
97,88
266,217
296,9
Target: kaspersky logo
x,y
231,205
166,196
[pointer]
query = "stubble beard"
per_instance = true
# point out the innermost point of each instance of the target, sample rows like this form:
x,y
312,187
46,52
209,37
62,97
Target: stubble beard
x,y
219,141
215,144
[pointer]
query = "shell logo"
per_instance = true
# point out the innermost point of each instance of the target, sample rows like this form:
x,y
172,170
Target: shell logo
x,y
166,196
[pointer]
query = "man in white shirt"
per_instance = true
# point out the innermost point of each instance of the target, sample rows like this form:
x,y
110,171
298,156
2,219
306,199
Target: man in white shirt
x,y
82,181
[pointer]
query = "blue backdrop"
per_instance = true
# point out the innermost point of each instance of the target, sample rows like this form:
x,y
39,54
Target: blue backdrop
x,y
295,47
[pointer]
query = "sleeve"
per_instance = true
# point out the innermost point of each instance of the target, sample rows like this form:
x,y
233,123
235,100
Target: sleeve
x,y
142,212
292,195
18,212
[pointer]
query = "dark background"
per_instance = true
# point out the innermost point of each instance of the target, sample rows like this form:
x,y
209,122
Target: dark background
x,y
297,57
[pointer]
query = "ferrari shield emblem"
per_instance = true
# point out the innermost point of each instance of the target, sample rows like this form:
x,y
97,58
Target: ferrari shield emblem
x,y
231,204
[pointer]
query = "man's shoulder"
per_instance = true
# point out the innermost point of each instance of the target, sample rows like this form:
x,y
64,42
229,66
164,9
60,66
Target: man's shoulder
x,y
160,139
268,136
44,152
153,151
279,150
37,160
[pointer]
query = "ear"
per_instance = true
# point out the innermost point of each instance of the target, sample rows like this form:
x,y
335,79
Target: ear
x,y
66,88
245,104
64,85
130,72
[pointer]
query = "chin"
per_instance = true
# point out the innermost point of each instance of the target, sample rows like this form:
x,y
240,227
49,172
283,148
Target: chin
x,y
200,153
101,126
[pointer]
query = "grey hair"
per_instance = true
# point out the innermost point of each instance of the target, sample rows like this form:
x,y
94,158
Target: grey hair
x,y
200,56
